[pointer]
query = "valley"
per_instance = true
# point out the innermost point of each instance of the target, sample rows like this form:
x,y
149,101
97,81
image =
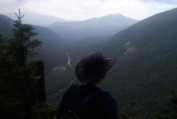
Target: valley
x,y
146,52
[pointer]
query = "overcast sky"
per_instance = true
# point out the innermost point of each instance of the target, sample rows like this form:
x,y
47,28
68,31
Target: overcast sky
x,y
85,9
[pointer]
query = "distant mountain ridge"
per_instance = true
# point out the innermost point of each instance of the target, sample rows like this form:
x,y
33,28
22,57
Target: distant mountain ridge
x,y
75,30
36,19
5,25
106,25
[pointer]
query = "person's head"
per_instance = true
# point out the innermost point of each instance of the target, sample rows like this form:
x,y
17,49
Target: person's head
x,y
93,67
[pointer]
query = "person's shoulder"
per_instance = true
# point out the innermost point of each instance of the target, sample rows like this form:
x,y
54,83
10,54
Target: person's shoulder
x,y
71,90
108,98
72,87
108,106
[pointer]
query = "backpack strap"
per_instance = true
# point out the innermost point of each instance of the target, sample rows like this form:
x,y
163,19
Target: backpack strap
x,y
78,108
92,96
91,103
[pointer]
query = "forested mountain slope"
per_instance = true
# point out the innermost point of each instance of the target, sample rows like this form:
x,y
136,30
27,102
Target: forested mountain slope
x,y
146,70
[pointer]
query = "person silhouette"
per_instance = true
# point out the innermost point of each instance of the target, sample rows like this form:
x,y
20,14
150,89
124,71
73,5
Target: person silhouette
x,y
87,100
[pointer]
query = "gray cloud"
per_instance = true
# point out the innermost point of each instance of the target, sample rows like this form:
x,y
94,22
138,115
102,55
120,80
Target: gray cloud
x,y
84,9
8,6
161,1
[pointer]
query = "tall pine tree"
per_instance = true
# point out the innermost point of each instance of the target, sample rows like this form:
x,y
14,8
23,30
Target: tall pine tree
x,y
16,72
23,41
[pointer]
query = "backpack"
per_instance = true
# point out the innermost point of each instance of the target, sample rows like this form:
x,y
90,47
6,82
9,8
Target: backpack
x,y
77,112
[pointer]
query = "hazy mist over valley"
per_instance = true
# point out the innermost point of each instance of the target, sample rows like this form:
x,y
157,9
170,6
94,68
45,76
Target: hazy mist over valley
x,y
144,78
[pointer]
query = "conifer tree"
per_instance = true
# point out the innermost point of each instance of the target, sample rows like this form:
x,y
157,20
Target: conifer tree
x,y
23,41
16,73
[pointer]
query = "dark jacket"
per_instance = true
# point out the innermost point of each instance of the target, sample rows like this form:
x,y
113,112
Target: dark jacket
x,y
89,101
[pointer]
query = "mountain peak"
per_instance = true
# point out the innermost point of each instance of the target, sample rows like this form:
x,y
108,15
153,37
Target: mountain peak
x,y
116,16
100,26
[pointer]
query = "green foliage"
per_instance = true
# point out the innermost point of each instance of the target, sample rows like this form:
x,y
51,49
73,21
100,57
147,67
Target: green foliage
x,y
17,85
124,115
174,97
44,111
